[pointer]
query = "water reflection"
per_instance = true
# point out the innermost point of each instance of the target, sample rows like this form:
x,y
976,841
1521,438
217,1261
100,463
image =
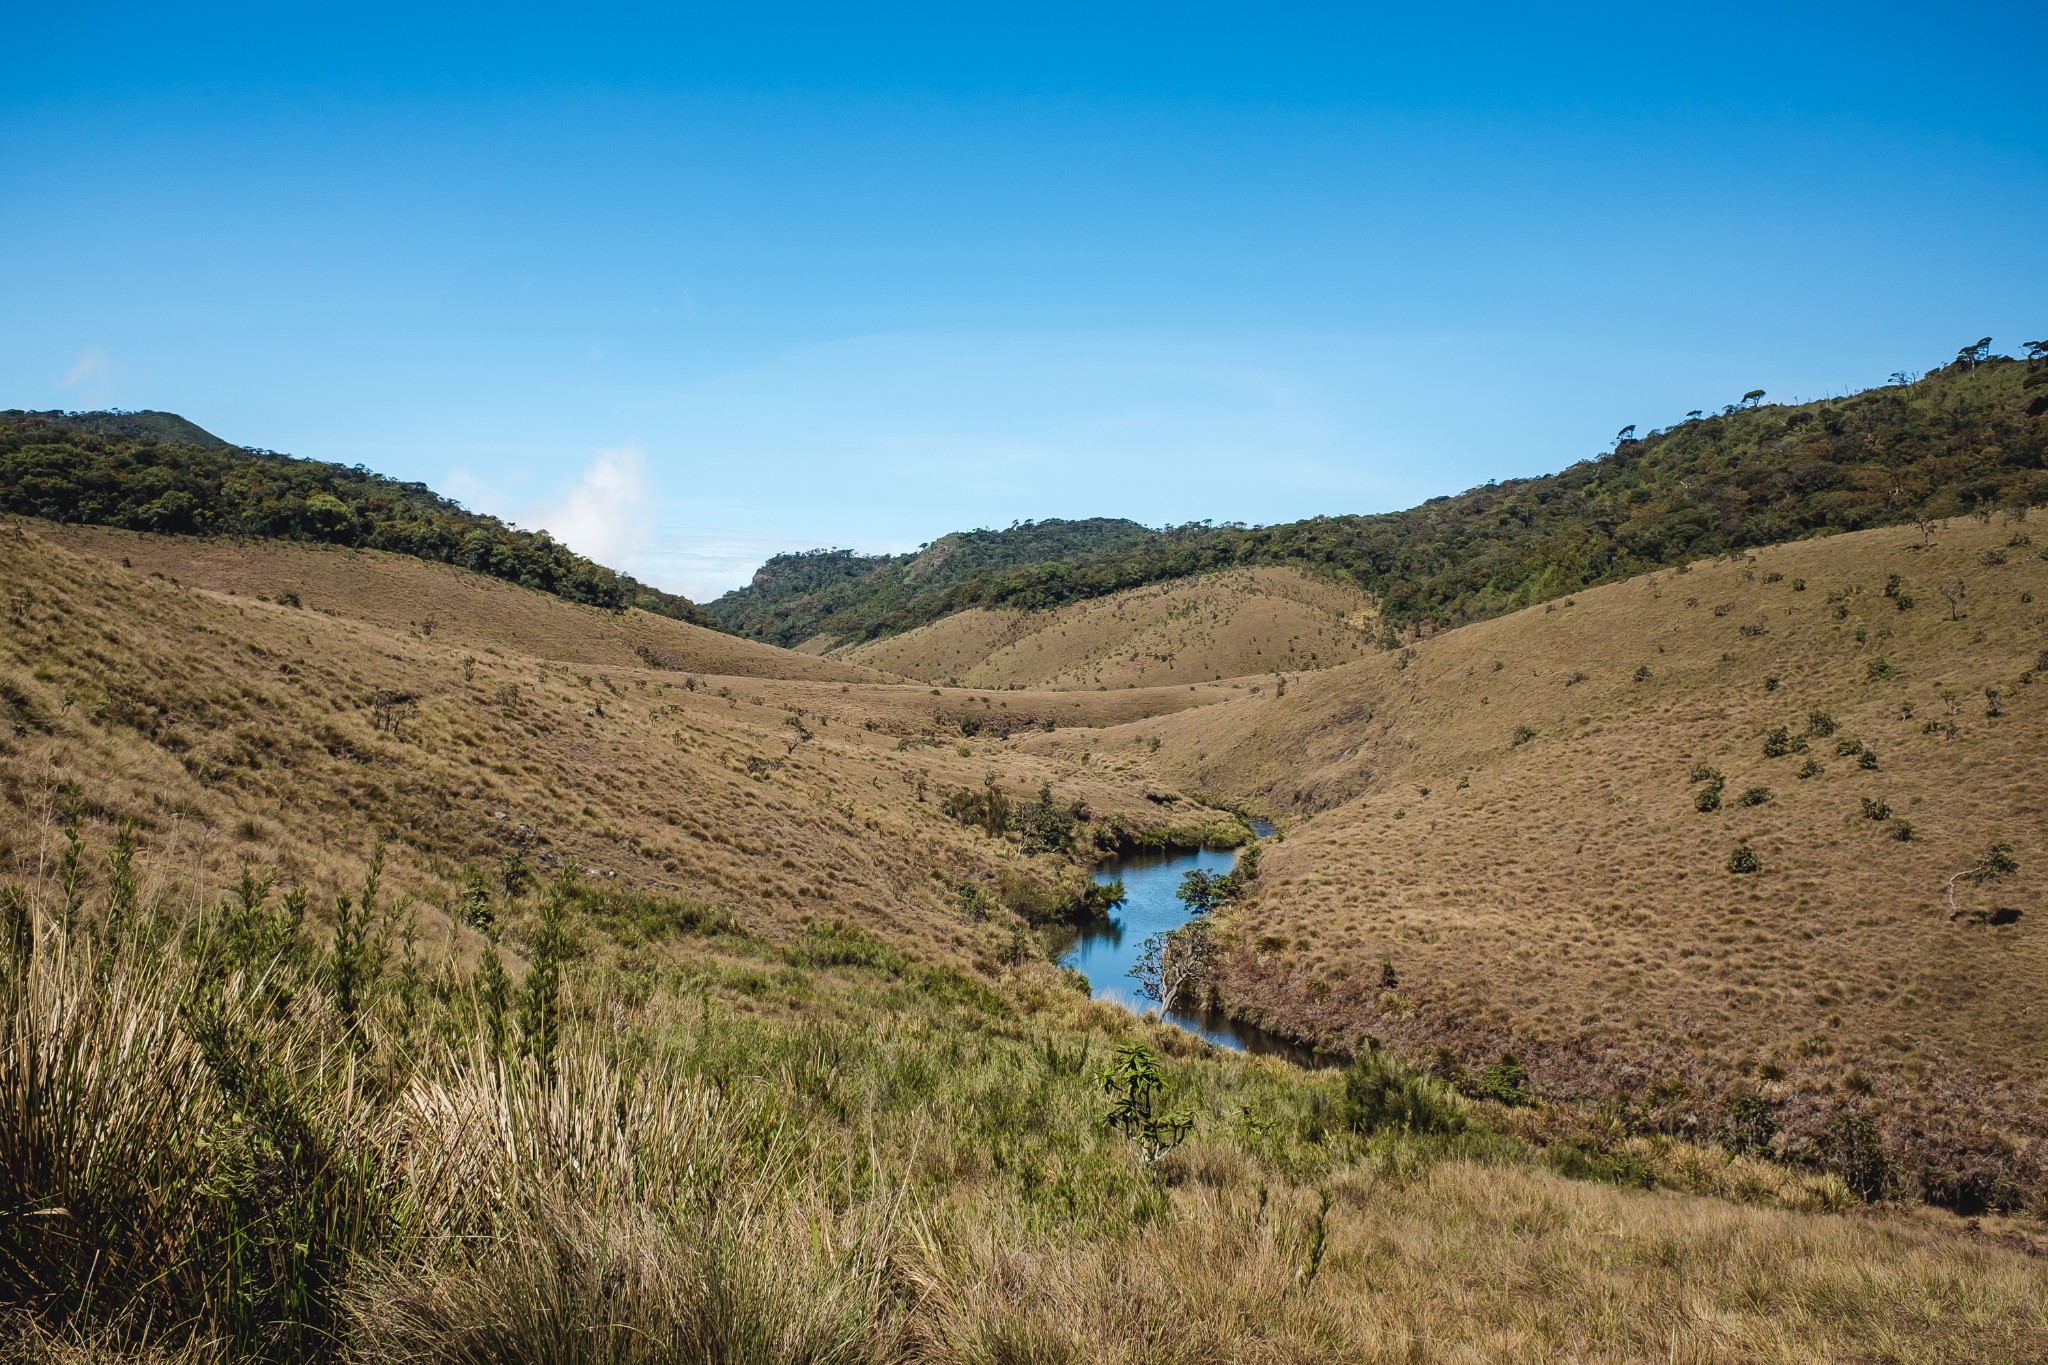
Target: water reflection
x,y
1105,953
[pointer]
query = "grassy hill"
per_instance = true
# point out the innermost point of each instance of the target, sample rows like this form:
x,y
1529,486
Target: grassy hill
x,y
155,471
1497,845
1230,624
1969,436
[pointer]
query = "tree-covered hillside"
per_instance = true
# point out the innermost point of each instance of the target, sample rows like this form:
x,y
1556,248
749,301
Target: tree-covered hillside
x,y
155,471
1968,437
795,596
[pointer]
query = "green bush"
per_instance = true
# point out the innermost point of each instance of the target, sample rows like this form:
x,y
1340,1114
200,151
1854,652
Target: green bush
x,y
1810,768
1506,1081
1381,1095
1851,1147
1874,809
1754,796
1576,1159
1707,798
1819,723
1744,861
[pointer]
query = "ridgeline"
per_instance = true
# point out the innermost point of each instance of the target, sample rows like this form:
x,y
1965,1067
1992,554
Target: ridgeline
x,y
156,471
1969,437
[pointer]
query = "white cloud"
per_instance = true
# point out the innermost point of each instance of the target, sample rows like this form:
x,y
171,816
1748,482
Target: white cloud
x,y
609,515
92,375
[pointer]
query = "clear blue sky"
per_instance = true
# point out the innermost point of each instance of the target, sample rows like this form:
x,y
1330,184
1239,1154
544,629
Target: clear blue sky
x,y
690,287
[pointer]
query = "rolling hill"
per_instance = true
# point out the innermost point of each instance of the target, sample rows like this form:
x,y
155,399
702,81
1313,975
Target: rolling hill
x,y
155,471
1497,843
1229,624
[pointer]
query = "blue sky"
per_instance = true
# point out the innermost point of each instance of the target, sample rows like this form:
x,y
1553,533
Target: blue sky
x,y
690,286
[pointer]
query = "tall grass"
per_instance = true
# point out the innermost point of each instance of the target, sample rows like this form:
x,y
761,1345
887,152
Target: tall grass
x,y
757,1153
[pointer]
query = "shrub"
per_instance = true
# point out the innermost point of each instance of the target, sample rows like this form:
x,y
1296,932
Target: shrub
x,y
1820,723
1874,809
1851,1147
1744,860
1810,768
1848,747
1754,796
1879,670
287,598
1902,830
1506,1081
1576,1159
1642,673
1381,1095
1523,734
1707,798
1705,772
1867,760
1749,1124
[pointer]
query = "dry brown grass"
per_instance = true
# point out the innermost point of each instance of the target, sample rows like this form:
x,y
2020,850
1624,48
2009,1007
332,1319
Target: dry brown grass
x,y
237,729
1563,897
1236,623
458,608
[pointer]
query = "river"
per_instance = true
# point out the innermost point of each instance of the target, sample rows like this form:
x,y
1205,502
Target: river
x,y
1105,953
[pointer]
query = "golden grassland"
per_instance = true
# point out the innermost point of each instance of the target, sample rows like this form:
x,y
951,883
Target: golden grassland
x,y
232,727
767,1138
1232,624
1505,815
454,606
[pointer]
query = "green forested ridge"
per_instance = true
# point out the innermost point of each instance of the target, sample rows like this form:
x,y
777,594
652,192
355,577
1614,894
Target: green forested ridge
x,y
155,471
1969,437
794,596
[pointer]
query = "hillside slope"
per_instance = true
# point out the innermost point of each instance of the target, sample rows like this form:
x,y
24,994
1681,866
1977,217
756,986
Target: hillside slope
x,y
1506,816
232,728
451,605
1226,625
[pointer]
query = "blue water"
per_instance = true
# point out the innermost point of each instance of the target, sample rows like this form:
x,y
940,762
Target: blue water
x,y
1105,953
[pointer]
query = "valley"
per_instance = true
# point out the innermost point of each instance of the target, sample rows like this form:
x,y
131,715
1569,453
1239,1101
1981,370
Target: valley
x,y
1695,915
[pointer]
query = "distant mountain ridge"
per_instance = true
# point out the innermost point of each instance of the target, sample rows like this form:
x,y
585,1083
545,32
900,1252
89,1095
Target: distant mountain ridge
x,y
156,471
1970,436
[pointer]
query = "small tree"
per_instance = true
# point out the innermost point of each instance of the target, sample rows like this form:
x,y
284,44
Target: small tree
x,y
540,996
1752,398
1174,962
1953,594
1135,1088
1996,865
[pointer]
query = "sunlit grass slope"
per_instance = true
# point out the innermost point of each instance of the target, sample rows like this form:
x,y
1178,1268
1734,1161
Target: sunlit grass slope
x,y
1232,624
233,727
1502,844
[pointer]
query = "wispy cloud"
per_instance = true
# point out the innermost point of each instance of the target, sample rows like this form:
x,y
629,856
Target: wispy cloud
x,y
608,515
92,377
